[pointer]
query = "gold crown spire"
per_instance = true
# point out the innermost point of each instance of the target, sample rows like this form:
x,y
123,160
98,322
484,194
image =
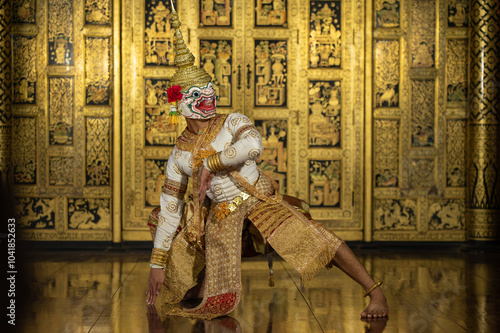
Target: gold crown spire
x,y
187,74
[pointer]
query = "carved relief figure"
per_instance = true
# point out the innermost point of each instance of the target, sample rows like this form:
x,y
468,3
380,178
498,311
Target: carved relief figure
x,y
325,34
270,13
387,73
387,13
216,60
97,70
458,13
455,153
153,179
447,215
23,11
423,33
157,130
89,214
456,71
158,34
394,214
97,12
324,113
270,73
24,69
216,12
273,159
422,113
324,180
35,213
60,111
60,32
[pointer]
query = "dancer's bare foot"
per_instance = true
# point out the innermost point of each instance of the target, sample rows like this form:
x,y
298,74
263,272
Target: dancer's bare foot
x,y
378,305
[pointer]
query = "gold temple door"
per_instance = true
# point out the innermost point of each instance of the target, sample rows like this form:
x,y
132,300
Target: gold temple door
x,y
294,67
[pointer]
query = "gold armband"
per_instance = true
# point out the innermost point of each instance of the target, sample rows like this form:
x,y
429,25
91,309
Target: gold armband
x,y
158,257
214,163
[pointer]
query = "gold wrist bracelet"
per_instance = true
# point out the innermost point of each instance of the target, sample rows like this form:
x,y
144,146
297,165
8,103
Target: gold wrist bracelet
x,y
210,163
158,257
372,288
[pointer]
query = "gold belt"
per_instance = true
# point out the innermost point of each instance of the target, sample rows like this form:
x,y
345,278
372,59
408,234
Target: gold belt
x,y
223,209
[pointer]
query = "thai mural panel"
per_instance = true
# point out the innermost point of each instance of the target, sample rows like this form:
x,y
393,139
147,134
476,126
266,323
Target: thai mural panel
x,y
455,152
35,213
157,130
89,213
422,173
61,172
387,13
423,31
97,70
61,38
422,113
216,13
456,71
216,58
154,177
274,158
395,214
325,113
24,69
458,13
387,69
446,214
386,142
158,33
271,13
325,183
61,108
271,73
325,34
25,150
98,12
98,159
23,11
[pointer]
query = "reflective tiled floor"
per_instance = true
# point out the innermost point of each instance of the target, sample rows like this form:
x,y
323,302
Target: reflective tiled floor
x,y
426,291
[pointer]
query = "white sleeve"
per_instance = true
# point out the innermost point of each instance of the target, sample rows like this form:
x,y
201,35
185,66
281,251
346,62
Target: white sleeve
x,y
171,204
247,143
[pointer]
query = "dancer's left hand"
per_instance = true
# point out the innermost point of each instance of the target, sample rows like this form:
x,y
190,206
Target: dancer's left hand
x,y
205,181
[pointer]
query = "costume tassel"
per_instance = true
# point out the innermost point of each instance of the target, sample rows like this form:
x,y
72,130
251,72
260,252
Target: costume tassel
x,y
173,116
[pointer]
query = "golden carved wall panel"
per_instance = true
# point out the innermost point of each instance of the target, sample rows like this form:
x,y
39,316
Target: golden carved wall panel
x,y
387,13
63,119
325,113
423,43
419,143
456,72
60,26
325,33
97,70
455,153
61,109
217,13
387,71
24,82
271,13
158,34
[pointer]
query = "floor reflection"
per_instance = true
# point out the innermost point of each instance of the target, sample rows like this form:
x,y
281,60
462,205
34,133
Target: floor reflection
x,y
426,292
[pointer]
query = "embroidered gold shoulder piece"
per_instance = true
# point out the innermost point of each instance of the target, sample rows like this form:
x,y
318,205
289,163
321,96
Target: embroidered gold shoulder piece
x,y
187,140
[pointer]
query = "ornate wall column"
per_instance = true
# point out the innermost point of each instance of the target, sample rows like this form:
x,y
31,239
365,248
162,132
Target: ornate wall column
x,y
5,105
483,151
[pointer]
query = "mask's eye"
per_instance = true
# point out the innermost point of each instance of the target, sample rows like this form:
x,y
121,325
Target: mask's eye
x,y
196,94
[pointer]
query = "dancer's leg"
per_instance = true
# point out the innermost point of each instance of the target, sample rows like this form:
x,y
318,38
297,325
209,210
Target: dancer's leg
x,y
347,261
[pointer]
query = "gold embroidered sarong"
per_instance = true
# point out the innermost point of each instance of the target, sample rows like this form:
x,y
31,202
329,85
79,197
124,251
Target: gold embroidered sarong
x,y
305,244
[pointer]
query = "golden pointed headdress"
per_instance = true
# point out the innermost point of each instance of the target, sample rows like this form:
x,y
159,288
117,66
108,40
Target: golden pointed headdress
x,y
187,74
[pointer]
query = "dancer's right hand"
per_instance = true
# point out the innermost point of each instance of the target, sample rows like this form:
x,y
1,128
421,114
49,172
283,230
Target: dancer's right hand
x,y
156,278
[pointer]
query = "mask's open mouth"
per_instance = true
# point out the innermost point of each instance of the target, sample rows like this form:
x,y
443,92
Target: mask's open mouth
x,y
206,105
